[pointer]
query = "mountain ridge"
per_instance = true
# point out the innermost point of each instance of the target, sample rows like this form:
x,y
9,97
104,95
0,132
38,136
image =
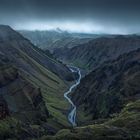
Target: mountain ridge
x,y
49,40
92,54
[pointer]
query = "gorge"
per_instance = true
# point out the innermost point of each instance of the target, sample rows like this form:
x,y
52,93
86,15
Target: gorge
x,y
88,91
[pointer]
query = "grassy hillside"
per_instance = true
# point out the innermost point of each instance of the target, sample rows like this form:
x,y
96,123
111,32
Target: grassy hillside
x,y
125,125
52,88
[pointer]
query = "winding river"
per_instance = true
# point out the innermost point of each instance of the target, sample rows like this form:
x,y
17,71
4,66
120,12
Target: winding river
x,y
72,114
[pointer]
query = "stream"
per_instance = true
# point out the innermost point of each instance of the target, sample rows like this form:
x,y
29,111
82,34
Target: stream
x,y
72,114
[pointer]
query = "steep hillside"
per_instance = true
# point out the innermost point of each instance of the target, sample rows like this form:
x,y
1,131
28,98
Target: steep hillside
x,y
38,69
92,54
106,89
18,97
12,42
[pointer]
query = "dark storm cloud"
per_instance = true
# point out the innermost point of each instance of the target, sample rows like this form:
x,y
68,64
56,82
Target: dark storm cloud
x,y
116,15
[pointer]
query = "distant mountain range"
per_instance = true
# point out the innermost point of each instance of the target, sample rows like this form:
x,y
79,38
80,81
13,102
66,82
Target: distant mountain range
x,y
57,39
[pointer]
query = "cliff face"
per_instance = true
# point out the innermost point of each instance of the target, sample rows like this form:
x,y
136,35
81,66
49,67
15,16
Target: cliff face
x,y
94,53
18,97
105,90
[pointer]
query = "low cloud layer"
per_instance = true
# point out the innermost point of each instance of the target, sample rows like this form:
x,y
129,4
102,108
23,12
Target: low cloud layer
x,y
93,16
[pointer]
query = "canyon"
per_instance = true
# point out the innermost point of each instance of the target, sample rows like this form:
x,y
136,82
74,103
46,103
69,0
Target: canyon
x,y
71,86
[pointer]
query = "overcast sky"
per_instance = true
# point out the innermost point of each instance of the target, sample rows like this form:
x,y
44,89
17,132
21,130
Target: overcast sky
x,y
93,16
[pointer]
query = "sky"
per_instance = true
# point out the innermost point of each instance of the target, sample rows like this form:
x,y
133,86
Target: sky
x,y
87,16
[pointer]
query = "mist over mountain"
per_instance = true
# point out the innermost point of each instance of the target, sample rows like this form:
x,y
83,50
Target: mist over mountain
x,y
89,16
50,40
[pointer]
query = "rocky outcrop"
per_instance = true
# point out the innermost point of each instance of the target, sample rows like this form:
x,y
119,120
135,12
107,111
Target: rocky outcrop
x,y
106,89
4,111
18,97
